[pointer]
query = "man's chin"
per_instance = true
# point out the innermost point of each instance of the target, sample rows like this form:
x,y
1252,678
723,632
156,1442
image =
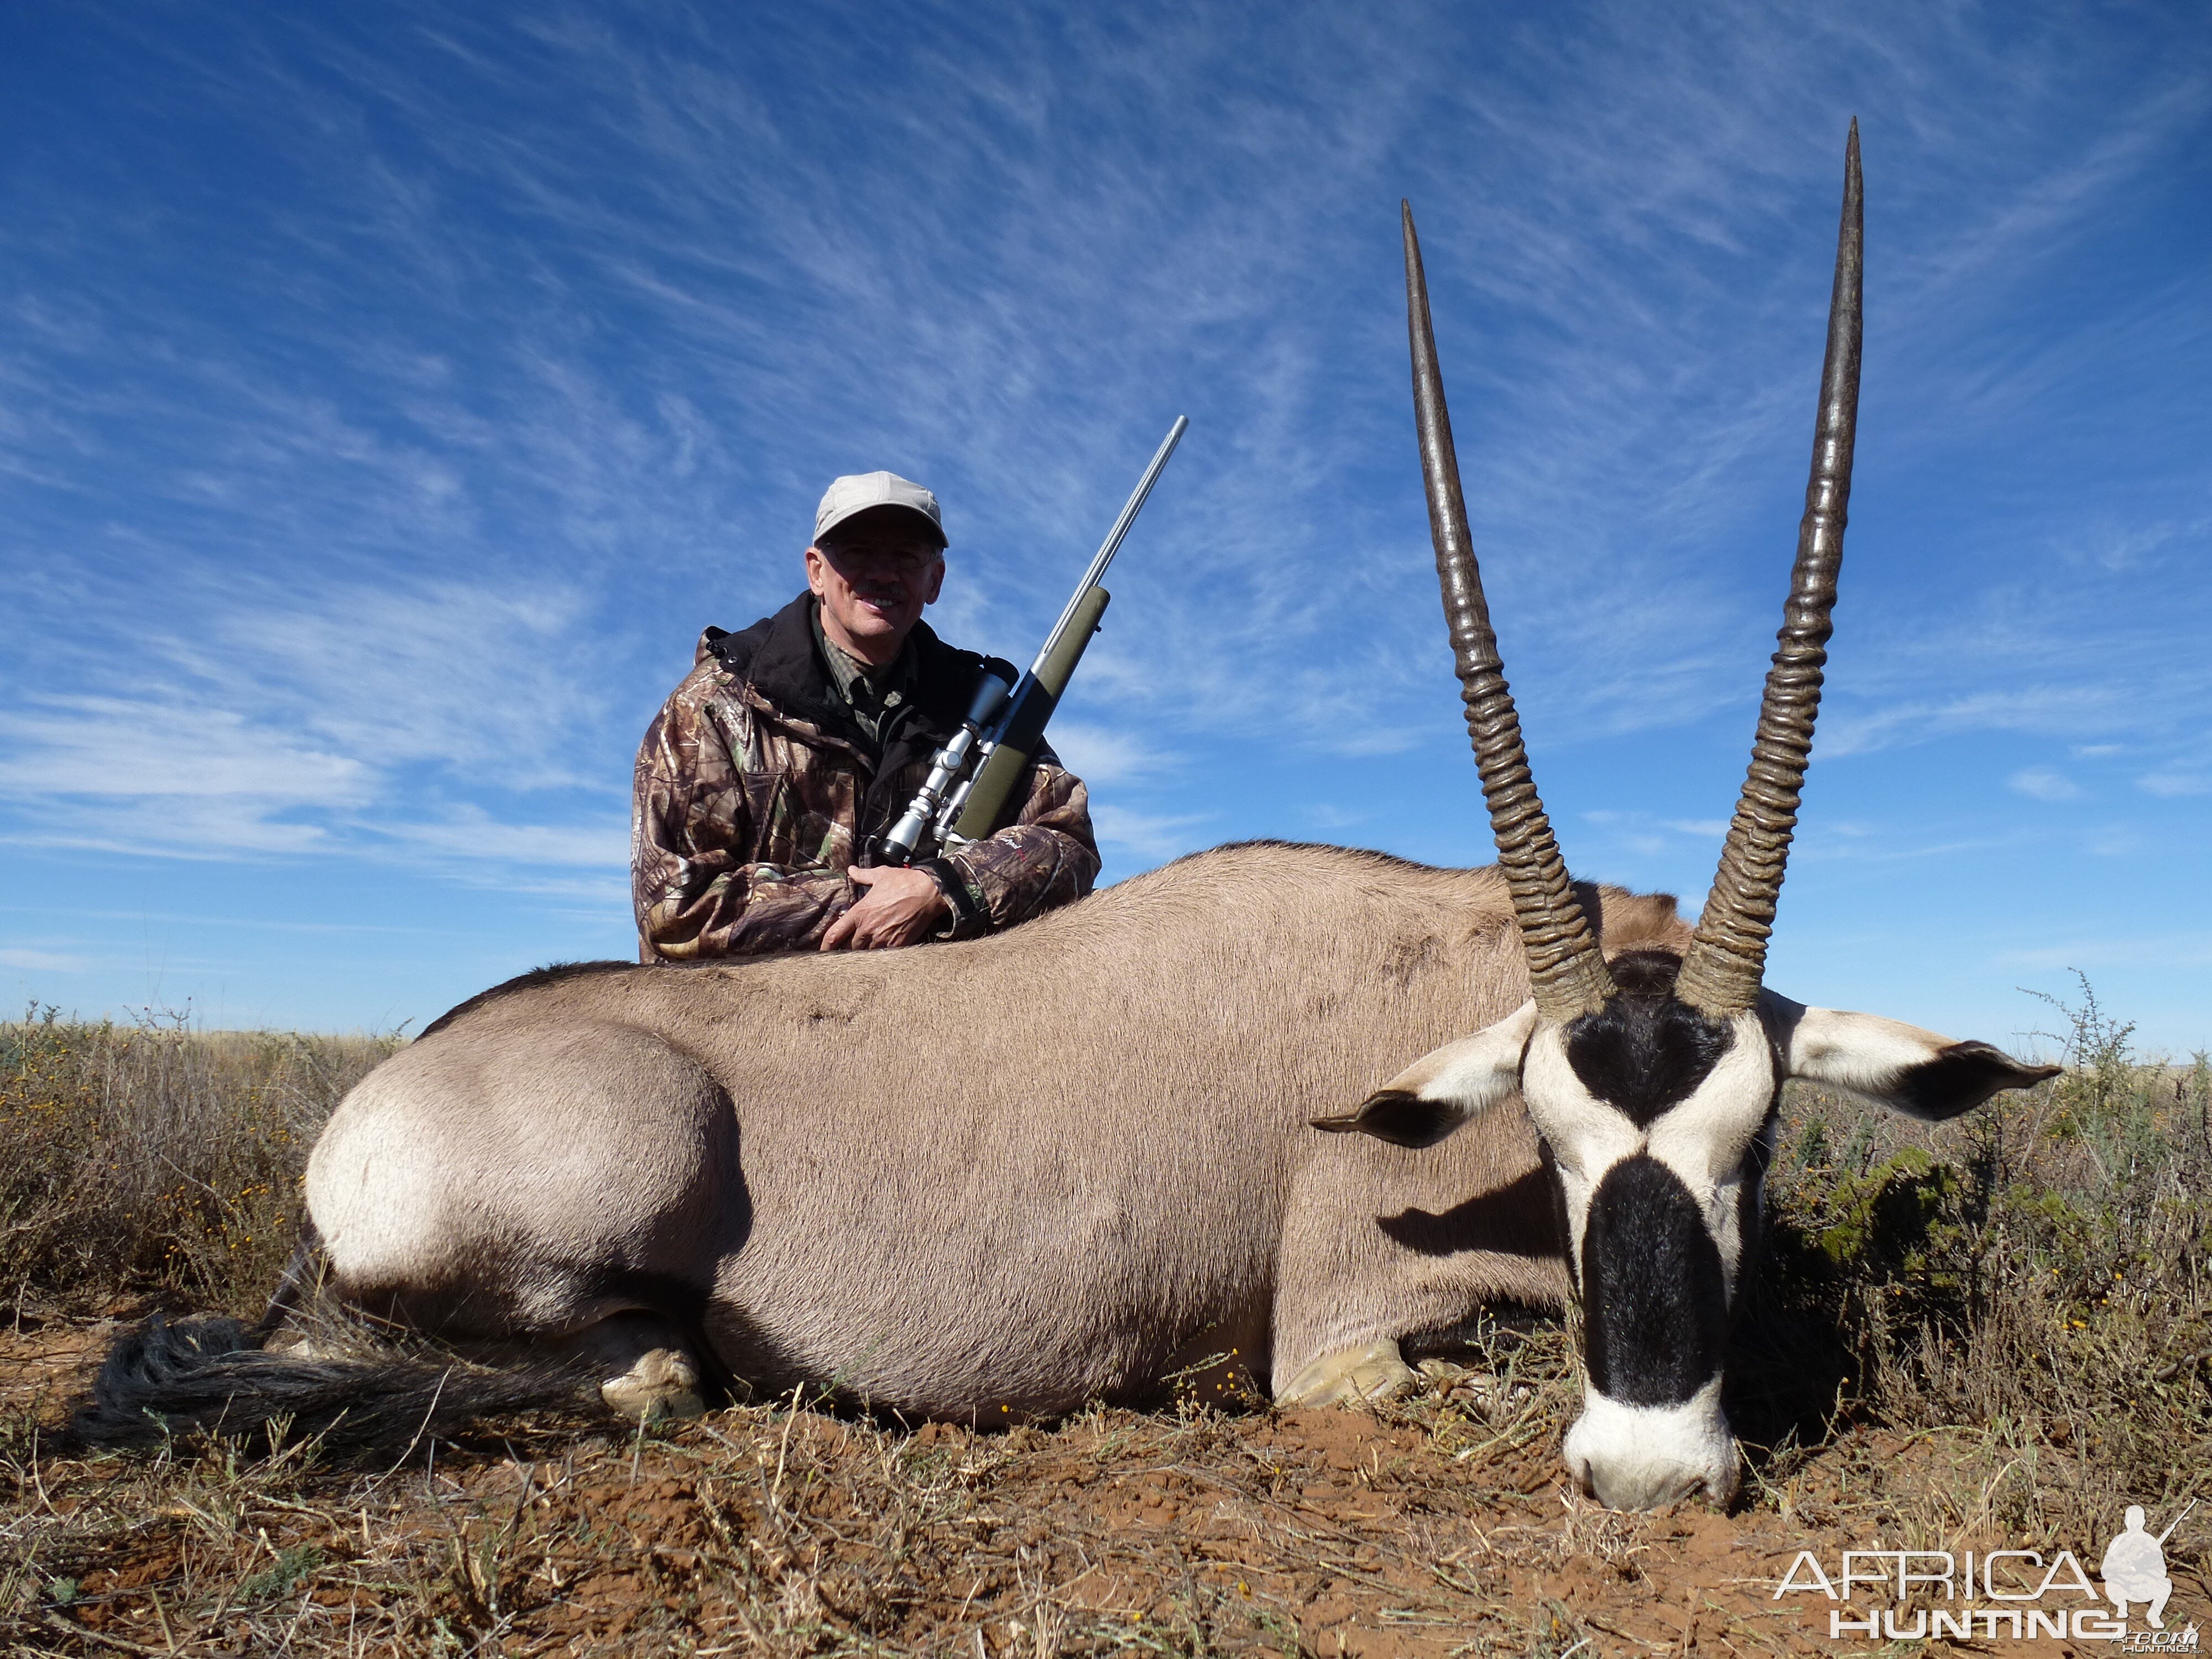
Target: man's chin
x,y
870,625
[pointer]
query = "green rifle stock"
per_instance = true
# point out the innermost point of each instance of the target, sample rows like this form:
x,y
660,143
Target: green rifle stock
x,y
991,802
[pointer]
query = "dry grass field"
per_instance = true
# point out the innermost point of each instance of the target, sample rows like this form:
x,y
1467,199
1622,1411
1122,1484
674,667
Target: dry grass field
x,y
1996,1333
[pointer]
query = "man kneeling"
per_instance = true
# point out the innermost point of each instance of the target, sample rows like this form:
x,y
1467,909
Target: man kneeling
x,y
763,782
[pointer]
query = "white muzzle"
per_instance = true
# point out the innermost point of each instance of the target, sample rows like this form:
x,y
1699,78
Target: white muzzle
x,y
1638,1457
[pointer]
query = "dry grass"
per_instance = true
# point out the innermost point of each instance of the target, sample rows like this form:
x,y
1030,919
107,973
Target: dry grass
x,y
150,1158
1430,1528
1996,1330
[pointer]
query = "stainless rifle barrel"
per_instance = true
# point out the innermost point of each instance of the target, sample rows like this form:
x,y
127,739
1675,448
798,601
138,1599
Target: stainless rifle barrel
x,y
1112,544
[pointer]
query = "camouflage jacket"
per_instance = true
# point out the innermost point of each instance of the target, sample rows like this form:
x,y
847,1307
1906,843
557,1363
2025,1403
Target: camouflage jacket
x,y
756,790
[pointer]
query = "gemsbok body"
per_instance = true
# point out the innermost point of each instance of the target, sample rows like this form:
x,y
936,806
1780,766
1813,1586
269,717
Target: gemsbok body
x,y
996,1179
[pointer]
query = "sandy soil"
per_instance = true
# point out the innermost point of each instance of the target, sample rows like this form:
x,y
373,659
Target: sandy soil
x,y
1439,1525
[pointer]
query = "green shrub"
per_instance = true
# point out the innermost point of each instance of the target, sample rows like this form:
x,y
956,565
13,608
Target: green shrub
x,y
2035,1269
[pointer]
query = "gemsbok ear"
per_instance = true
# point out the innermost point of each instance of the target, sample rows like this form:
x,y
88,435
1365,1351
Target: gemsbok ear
x,y
1902,1067
1445,1088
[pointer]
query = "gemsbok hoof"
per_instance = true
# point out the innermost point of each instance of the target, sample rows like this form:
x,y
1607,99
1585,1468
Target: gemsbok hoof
x,y
662,1383
1355,1376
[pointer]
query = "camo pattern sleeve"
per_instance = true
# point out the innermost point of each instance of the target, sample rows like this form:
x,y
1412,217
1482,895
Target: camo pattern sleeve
x,y
1048,856
741,837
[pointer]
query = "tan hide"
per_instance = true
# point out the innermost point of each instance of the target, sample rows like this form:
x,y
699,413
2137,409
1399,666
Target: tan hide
x,y
985,1179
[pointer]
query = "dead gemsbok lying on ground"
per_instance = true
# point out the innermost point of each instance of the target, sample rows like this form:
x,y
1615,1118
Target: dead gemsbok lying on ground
x,y
999,1178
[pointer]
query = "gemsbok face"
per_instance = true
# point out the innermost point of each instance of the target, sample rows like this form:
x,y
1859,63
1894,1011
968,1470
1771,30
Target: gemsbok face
x,y
1654,1081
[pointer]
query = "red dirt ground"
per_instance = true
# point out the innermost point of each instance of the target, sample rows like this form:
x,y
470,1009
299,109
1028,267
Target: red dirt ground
x,y
1439,1526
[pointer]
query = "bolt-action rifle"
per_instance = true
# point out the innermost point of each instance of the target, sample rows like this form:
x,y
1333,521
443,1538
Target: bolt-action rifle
x,y
973,777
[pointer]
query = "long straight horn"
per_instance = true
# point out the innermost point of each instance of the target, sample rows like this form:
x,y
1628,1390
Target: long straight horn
x,y
1721,973
1565,968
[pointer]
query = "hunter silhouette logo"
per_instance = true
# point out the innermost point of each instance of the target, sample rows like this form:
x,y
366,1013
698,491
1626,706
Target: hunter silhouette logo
x,y
2134,1566
2015,1594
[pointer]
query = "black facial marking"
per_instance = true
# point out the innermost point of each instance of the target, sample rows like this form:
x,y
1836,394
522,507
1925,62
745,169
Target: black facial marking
x,y
1654,1303
1400,1118
1643,1051
1961,1079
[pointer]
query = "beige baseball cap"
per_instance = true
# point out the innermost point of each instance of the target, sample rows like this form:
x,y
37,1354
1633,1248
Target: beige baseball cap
x,y
859,491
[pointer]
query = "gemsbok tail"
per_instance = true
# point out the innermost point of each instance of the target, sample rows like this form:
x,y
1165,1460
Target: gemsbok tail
x,y
213,1376
218,1375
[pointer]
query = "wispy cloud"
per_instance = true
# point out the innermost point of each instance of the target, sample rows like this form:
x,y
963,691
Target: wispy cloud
x,y
1149,836
2176,783
2110,951
361,502
2054,710
1103,755
2041,783
289,726
114,747
472,834
44,962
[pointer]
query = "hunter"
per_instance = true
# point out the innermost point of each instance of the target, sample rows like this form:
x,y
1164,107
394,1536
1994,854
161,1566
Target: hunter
x,y
766,777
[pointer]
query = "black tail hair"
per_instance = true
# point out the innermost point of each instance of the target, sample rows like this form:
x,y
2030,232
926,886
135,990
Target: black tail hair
x,y
301,1278
212,1375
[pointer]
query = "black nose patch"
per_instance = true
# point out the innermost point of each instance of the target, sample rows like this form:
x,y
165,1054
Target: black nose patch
x,y
1643,1051
1655,1302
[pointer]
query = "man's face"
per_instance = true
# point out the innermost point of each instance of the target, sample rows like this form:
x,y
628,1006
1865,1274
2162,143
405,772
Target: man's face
x,y
873,574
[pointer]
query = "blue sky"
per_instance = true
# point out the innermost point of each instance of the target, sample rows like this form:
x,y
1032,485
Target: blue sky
x,y
389,395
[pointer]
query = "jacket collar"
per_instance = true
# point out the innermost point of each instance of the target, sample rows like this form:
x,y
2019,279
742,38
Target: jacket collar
x,y
788,672
777,660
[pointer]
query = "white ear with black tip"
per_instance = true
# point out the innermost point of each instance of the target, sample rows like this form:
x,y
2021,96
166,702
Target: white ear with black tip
x,y
1445,1088
1902,1067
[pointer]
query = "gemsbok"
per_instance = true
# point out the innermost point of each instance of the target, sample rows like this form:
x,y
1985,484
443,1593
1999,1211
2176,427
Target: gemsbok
x,y
993,1180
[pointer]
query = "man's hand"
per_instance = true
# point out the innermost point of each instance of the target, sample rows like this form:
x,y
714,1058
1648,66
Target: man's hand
x,y
900,906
